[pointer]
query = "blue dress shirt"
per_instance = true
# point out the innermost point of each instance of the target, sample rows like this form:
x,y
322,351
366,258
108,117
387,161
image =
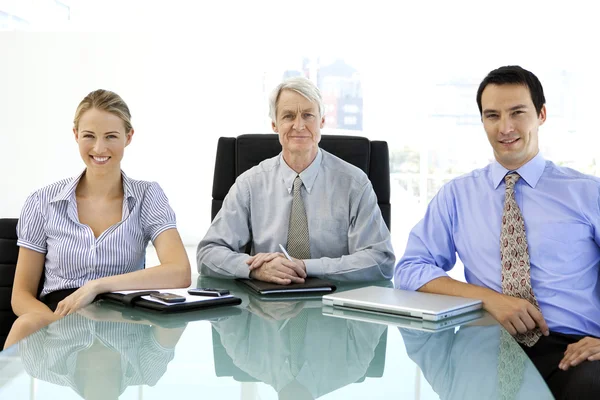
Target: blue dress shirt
x,y
349,240
561,209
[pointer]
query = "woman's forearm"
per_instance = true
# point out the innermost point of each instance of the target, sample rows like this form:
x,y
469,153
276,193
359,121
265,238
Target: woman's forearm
x,y
24,302
165,276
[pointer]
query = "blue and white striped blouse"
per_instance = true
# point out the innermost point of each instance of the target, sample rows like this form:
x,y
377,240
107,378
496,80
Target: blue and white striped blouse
x,y
50,224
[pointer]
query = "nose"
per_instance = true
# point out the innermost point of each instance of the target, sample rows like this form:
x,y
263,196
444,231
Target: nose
x,y
506,125
99,146
299,123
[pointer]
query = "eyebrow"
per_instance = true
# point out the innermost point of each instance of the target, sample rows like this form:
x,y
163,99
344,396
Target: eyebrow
x,y
293,111
106,133
514,108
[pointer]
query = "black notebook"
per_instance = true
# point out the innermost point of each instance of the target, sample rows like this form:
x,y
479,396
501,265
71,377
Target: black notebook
x,y
310,285
142,300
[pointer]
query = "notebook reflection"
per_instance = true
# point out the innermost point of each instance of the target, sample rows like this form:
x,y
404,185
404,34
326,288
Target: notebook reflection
x,y
292,347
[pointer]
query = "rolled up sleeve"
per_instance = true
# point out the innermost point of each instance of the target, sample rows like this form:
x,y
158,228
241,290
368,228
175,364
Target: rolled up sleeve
x,y
430,251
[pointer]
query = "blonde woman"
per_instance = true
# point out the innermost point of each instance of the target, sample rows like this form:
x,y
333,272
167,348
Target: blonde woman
x,y
88,235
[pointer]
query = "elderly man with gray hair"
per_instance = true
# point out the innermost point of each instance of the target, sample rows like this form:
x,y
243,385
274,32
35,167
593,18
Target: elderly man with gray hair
x,y
323,209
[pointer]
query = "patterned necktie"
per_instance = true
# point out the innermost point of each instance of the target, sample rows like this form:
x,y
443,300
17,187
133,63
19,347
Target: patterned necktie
x,y
514,256
511,366
298,245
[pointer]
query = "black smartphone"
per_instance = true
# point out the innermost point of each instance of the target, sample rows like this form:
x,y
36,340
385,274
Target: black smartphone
x,y
168,297
208,292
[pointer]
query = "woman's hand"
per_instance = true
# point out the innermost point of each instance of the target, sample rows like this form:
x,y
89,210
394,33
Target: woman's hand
x,y
78,299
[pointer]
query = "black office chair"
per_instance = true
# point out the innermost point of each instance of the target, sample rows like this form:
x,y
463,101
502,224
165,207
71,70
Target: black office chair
x,y
236,155
8,263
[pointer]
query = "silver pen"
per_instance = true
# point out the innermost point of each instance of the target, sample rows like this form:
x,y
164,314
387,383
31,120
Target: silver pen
x,y
285,252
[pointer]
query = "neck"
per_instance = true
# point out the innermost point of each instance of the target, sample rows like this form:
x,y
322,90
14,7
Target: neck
x,y
516,166
299,161
105,185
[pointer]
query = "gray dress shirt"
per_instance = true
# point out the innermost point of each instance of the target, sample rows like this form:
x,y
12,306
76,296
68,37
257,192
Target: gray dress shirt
x,y
348,237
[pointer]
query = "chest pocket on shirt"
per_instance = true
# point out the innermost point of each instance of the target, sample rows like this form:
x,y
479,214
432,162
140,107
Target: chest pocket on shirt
x,y
564,241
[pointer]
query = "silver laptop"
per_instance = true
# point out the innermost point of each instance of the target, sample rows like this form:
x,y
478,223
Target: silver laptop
x,y
390,301
403,322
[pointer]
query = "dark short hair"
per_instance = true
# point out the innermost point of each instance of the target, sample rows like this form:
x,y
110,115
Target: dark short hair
x,y
514,75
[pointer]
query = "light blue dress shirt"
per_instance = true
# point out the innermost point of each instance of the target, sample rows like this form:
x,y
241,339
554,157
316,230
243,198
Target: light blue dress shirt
x,y
561,209
348,237
49,224
463,364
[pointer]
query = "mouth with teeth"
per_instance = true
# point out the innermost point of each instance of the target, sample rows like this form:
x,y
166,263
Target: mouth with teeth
x,y
509,142
99,160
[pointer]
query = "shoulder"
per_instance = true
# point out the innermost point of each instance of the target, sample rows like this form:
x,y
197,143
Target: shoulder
x,y
264,169
140,188
473,180
343,170
570,175
148,194
47,193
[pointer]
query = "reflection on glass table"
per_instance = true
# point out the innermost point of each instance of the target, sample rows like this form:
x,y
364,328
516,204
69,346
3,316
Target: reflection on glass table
x,y
99,359
295,349
261,350
475,362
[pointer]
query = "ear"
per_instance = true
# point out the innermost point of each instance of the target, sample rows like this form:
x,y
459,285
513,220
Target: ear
x,y
274,127
76,134
542,116
322,122
129,136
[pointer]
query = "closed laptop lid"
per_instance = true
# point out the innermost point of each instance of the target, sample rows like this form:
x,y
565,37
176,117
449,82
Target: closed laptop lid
x,y
402,322
402,302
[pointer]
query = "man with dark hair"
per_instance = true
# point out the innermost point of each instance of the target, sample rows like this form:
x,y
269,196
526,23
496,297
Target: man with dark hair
x,y
528,234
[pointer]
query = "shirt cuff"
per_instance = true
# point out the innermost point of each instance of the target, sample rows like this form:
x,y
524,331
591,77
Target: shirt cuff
x,y
314,267
243,271
161,230
31,246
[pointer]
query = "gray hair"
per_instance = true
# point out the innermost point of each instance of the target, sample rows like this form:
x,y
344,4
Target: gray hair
x,y
300,85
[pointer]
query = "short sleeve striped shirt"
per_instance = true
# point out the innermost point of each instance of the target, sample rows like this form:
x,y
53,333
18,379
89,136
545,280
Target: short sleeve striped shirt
x,y
49,224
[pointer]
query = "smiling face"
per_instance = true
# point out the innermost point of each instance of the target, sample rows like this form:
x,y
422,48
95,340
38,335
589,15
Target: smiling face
x,y
511,123
102,140
298,124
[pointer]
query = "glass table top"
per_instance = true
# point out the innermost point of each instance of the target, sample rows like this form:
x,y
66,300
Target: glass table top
x,y
265,349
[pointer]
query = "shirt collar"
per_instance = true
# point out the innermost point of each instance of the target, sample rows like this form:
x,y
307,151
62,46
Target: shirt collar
x,y
68,191
531,172
308,176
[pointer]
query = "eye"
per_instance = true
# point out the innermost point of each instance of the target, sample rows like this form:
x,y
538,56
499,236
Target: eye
x,y
518,112
111,136
287,116
88,136
308,115
491,116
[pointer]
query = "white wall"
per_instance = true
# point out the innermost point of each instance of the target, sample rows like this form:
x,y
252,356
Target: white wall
x,y
179,111
193,71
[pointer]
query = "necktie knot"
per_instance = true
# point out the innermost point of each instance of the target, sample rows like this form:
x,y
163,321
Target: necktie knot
x,y
511,179
297,183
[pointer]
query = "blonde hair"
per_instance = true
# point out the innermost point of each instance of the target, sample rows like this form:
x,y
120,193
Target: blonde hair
x,y
104,100
300,85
